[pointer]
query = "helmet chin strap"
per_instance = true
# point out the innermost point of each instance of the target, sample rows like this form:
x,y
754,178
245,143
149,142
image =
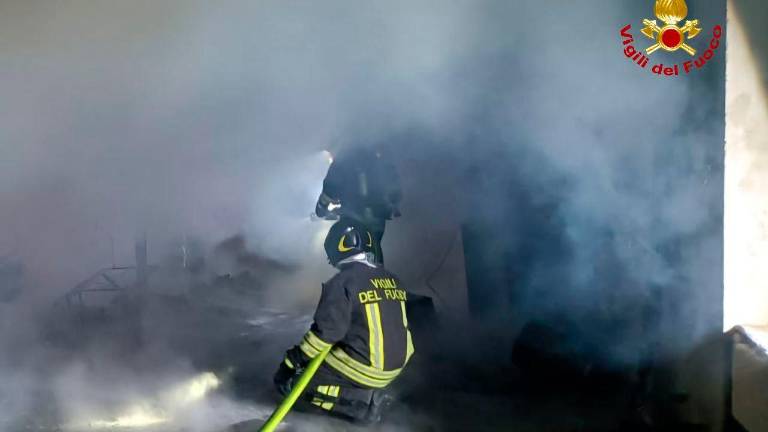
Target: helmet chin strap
x,y
362,258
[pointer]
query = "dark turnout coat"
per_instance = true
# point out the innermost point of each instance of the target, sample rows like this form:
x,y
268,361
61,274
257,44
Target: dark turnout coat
x,y
365,184
362,318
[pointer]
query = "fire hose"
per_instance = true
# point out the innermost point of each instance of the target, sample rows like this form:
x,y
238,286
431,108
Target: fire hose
x,y
285,406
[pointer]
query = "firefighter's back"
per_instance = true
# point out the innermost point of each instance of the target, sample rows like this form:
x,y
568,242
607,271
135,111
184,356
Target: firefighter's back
x,y
378,343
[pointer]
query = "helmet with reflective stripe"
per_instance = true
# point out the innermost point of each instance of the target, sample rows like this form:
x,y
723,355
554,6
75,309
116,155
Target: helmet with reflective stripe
x,y
347,239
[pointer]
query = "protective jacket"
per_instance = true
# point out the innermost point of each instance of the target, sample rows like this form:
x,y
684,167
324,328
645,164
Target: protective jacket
x,y
361,316
365,184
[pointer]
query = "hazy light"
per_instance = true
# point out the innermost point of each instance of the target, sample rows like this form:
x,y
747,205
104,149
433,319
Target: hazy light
x,y
136,417
746,185
328,155
153,412
319,237
193,390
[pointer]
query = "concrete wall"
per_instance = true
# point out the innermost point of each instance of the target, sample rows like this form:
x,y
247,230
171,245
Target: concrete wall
x,y
750,379
425,247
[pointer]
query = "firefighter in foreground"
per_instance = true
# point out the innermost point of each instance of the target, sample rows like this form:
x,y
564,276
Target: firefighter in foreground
x,y
361,317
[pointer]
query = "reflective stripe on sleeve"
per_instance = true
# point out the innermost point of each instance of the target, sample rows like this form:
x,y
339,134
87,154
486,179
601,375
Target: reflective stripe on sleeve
x,y
289,363
312,345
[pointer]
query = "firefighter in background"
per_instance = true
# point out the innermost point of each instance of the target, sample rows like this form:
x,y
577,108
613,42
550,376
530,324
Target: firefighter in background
x,y
362,317
361,187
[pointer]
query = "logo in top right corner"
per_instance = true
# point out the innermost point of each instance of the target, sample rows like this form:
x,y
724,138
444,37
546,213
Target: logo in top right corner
x,y
671,37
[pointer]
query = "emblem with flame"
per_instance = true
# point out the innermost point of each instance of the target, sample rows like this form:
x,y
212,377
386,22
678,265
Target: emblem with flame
x,y
670,37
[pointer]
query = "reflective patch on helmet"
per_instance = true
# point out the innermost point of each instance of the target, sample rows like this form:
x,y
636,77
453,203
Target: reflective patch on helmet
x,y
343,248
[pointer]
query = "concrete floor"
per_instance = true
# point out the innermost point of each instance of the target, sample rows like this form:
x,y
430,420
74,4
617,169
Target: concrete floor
x,y
243,345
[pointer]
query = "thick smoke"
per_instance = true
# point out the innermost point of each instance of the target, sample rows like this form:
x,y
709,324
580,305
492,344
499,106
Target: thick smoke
x,y
209,120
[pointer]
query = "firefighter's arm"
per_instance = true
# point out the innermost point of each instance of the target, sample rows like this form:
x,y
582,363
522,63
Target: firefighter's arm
x,y
332,319
331,191
326,206
330,325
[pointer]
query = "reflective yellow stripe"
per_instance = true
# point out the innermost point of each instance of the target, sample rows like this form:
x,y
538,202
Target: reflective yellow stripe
x,y
329,390
316,341
409,347
326,390
324,405
354,375
359,372
308,349
289,363
371,333
409,341
312,345
375,335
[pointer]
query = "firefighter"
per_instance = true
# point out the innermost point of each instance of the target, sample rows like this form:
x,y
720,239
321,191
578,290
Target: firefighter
x,y
361,187
362,318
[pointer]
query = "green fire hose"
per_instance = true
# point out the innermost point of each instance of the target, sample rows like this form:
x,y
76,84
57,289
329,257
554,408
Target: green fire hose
x,y
282,410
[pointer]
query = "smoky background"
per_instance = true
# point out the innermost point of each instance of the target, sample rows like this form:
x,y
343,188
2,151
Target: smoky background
x,y
568,170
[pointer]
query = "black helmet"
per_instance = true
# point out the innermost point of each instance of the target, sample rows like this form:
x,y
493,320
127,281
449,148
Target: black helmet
x,y
345,239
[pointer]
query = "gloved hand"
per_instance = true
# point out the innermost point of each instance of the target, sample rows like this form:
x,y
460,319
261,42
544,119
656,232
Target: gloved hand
x,y
290,370
326,207
297,359
320,210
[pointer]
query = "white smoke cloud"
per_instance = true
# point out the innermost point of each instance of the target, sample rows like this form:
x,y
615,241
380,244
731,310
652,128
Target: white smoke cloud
x,y
209,119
